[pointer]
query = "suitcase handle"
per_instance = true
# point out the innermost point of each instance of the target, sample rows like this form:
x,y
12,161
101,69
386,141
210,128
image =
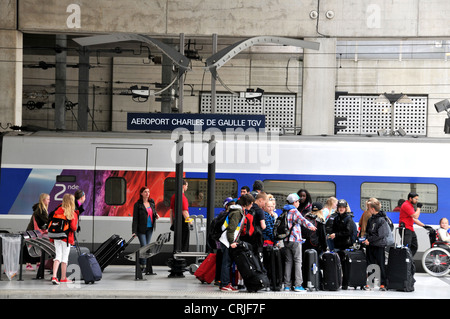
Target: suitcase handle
x,y
402,237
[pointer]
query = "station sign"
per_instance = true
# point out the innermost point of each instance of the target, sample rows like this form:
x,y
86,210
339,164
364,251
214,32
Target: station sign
x,y
194,122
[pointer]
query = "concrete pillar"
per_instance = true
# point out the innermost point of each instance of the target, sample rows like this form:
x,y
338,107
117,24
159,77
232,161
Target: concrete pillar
x,y
83,89
11,65
60,83
319,80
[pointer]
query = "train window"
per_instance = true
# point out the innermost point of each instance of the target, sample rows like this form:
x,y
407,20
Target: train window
x,y
66,179
198,190
319,191
391,194
115,191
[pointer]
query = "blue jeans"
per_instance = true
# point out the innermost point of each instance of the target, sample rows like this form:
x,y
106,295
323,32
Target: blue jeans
x,y
144,239
226,266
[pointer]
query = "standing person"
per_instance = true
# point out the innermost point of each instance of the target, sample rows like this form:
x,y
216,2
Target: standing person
x,y
245,190
185,213
80,198
315,239
269,216
231,239
376,238
329,208
409,216
305,201
363,221
343,231
62,246
255,223
39,219
293,243
144,219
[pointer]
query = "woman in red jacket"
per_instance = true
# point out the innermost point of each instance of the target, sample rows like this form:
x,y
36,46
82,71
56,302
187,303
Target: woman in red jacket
x,y
62,246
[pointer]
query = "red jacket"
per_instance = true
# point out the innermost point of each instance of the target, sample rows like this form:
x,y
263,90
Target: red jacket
x,y
73,225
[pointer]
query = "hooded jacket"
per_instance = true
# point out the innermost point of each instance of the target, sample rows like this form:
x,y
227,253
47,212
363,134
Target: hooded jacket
x,y
375,233
342,227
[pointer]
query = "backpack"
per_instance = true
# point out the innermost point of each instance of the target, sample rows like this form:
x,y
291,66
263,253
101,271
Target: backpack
x,y
248,227
216,225
58,227
311,236
281,228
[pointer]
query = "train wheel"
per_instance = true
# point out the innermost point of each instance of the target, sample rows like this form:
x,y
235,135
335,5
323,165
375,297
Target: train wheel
x,y
436,261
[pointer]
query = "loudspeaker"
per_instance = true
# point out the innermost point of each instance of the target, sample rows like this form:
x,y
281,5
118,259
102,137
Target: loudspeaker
x,y
442,105
447,126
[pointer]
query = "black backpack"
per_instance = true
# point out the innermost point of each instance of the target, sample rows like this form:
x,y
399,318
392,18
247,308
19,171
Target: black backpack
x,y
216,225
281,228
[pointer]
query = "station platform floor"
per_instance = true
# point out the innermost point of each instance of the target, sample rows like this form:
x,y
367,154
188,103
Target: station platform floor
x,y
119,282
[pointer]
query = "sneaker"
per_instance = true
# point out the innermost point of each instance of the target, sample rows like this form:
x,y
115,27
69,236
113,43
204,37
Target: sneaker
x,y
287,289
55,281
229,288
382,288
66,281
299,289
29,267
366,287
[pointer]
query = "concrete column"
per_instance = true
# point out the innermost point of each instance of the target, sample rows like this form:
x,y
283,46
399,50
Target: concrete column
x,y
319,80
60,83
83,89
11,65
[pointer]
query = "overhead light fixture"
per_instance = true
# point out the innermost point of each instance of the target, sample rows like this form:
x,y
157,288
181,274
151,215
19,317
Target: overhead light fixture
x,y
251,95
441,106
392,98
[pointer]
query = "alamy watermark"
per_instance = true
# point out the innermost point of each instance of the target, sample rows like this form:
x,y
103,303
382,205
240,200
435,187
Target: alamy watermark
x,y
229,147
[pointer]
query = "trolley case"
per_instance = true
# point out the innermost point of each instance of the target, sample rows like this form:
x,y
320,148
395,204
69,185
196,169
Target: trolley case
x,y
206,272
311,273
332,271
354,268
250,267
110,250
400,268
90,269
274,267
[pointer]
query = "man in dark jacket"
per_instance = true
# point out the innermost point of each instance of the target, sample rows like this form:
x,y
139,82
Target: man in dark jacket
x,y
376,238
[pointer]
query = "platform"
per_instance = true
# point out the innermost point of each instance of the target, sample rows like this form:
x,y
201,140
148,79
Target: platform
x,y
118,282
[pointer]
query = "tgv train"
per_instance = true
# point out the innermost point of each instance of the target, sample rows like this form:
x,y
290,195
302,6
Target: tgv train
x,y
112,167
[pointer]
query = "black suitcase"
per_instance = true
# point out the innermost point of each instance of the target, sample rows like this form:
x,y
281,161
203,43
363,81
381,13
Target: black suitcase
x,y
273,265
332,271
311,273
400,269
354,268
110,250
250,267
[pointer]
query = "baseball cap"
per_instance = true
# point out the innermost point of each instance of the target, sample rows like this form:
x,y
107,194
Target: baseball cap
x,y
317,206
342,202
227,200
292,198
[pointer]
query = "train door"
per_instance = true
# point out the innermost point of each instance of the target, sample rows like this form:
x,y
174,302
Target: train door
x,y
119,173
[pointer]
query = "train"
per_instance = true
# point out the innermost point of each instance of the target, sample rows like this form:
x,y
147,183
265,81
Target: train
x,y
111,168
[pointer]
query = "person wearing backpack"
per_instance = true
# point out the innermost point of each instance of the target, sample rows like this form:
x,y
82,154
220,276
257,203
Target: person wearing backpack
x,y
343,231
293,243
377,232
231,238
62,245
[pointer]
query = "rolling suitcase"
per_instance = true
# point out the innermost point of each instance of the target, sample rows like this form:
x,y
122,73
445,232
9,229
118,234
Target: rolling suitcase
x,y
250,267
110,250
354,268
332,271
273,266
90,269
311,273
400,268
206,272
